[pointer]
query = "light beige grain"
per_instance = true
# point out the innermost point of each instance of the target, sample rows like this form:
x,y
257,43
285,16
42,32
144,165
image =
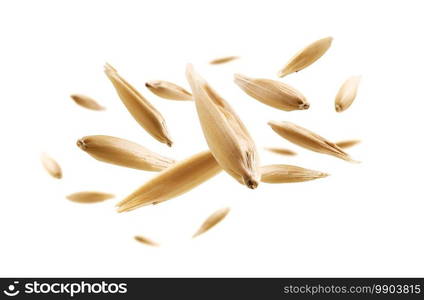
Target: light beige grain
x,y
89,197
51,166
212,220
223,60
142,110
281,151
227,137
168,90
347,144
273,93
308,139
288,174
145,241
306,56
123,153
347,93
173,181
86,102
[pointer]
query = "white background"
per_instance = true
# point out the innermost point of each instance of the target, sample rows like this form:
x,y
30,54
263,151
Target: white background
x,y
363,220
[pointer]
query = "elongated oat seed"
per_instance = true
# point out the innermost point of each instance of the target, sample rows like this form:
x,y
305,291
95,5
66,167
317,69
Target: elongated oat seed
x,y
223,60
273,93
173,181
347,144
227,137
281,151
123,153
86,102
308,139
51,166
141,109
145,241
168,90
212,220
89,197
288,174
306,56
347,93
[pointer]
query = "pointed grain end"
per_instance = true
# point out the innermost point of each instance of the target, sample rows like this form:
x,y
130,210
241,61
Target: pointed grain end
x,y
121,209
323,175
282,73
338,108
108,68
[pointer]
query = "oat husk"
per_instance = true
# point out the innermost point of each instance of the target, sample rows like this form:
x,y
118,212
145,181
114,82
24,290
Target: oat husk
x,y
347,144
308,139
173,181
89,197
281,151
51,166
306,56
223,60
227,137
123,153
212,220
168,90
86,102
288,174
347,93
146,241
142,110
273,93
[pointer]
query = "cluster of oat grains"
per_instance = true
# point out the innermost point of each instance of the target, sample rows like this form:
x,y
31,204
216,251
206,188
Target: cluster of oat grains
x,y
231,148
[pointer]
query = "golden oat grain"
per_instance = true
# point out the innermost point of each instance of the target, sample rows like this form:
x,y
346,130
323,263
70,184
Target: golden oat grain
x,y
89,197
212,220
273,93
347,143
223,60
288,174
173,181
168,90
86,102
123,153
347,93
145,241
281,151
308,139
306,56
142,110
51,166
227,137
